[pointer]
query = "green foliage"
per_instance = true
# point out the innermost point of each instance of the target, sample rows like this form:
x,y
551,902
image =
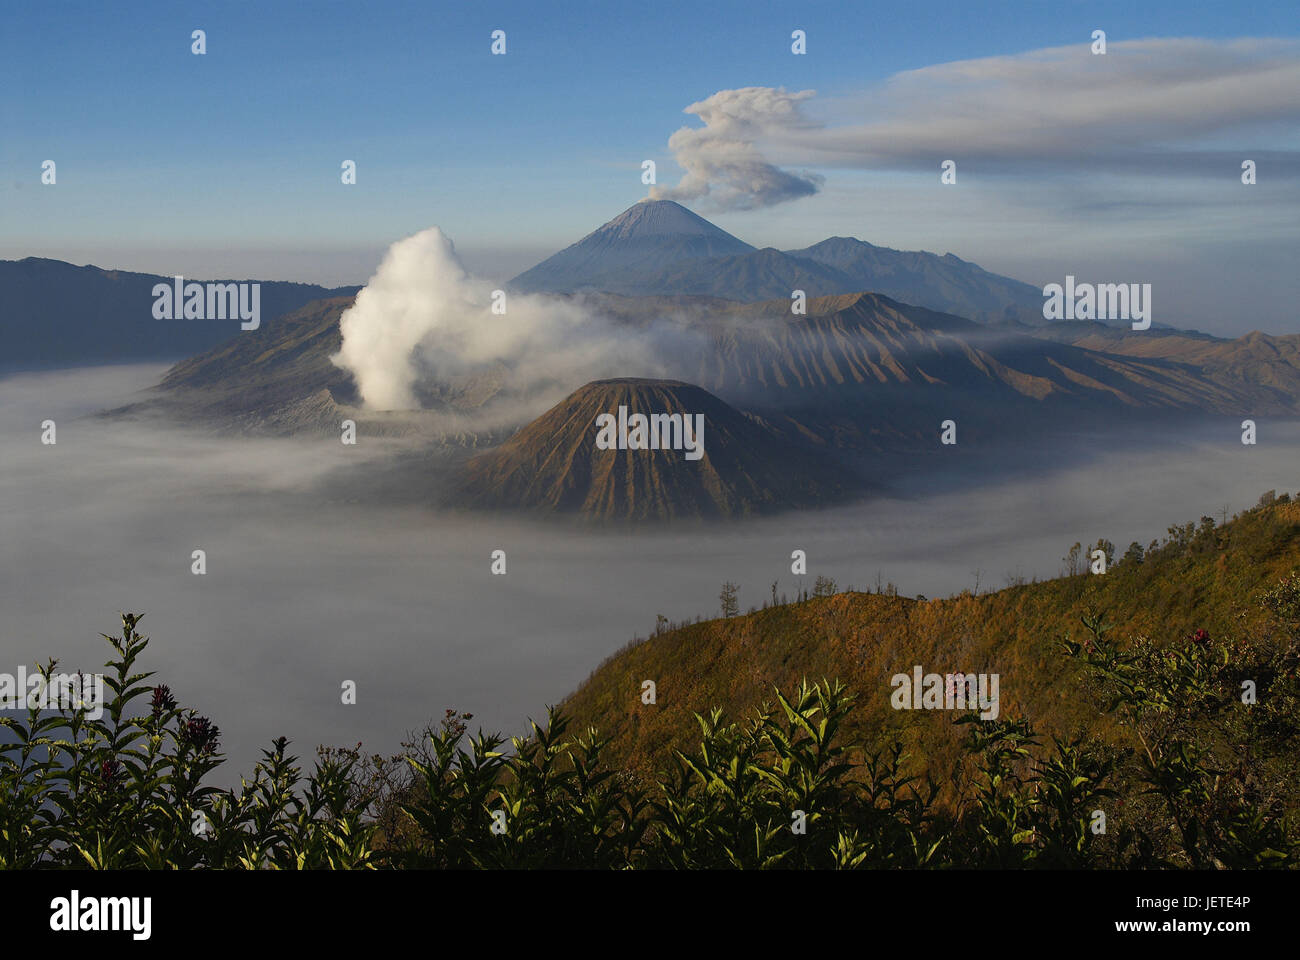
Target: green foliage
x,y
126,790
777,790
1213,766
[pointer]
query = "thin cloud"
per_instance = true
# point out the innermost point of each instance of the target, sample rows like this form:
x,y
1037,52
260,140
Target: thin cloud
x,y
1160,106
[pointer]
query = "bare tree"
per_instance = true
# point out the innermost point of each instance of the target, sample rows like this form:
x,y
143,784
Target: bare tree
x,y
729,598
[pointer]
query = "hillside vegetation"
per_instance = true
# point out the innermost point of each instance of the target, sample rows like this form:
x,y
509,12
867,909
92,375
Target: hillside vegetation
x,y
1202,576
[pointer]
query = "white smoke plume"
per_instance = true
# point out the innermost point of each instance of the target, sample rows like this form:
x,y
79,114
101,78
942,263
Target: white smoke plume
x,y
724,166
419,287
421,321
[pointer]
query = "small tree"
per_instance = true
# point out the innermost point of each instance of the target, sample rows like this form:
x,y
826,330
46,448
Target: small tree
x,y
1071,560
729,598
823,586
1180,535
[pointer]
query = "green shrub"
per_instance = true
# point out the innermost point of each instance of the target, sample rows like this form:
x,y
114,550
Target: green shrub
x,y
1206,781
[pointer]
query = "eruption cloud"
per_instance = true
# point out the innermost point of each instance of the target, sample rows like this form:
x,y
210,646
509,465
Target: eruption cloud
x,y
724,165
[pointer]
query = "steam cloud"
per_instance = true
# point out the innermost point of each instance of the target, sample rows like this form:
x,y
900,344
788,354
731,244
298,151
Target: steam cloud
x,y
723,164
419,287
421,319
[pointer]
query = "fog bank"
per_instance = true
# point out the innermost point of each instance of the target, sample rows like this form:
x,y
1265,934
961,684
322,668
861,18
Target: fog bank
x,y
306,588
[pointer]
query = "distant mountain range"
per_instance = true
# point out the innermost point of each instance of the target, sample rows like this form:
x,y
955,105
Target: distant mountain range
x,y
658,247
856,366
800,408
797,406
55,314
865,359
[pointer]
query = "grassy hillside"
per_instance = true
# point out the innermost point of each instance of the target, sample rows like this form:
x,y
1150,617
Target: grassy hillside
x,y
1202,576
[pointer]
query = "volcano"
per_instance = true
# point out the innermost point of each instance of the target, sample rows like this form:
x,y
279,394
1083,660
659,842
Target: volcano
x,y
644,239
556,465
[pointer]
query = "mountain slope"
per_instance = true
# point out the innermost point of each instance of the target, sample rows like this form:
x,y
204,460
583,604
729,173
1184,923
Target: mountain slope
x,y
1266,367
761,275
553,465
858,371
863,371
947,283
1208,579
56,314
284,360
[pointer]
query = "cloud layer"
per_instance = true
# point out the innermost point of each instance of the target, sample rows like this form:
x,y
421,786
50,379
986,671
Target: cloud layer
x,y
1156,106
308,588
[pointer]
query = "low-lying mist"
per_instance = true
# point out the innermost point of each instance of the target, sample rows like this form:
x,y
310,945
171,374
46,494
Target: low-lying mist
x,y
312,583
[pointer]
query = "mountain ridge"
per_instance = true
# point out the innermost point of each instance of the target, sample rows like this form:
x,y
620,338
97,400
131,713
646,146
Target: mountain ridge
x,y
54,313
658,262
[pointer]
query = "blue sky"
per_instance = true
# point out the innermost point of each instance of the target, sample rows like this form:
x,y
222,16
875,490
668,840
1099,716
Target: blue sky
x,y
228,163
